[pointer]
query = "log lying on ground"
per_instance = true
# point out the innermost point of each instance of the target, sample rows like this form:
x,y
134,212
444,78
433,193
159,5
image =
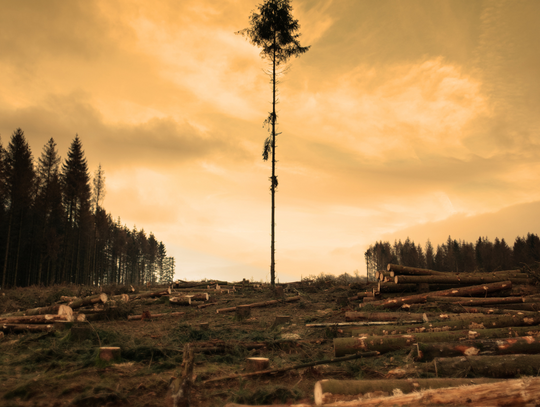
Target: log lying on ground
x,y
458,279
154,294
139,317
200,284
82,302
472,302
389,343
59,309
358,296
382,316
259,304
37,319
474,322
20,328
534,306
500,366
515,393
453,292
304,365
506,346
396,269
329,391
395,288
183,300
460,309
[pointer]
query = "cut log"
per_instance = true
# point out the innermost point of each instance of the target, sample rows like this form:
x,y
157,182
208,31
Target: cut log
x,y
59,309
458,279
363,294
260,304
501,366
184,300
200,297
456,308
155,294
412,270
139,317
257,364
389,343
37,319
19,328
533,306
453,292
330,391
472,302
82,302
395,288
507,346
109,354
382,316
206,305
473,322
515,393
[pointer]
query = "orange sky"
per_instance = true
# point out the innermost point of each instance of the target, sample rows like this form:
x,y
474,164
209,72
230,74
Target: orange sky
x,y
411,118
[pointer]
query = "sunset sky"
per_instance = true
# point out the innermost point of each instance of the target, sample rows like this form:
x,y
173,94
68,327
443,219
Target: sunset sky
x,y
406,118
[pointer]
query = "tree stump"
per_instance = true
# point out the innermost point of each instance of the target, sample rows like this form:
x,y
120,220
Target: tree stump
x,y
109,354
242,312
278,291
204,326
257,364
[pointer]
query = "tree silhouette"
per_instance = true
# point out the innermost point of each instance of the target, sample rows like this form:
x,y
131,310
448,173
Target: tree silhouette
x,y
275,31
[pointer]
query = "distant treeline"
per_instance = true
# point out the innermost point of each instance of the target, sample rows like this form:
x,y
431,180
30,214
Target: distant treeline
x,y
53,228
455,256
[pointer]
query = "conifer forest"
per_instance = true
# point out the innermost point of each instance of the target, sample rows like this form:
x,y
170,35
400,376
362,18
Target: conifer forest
x,y
54,229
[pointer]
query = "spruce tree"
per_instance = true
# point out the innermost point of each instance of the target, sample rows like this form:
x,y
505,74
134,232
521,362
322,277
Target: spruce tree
x,y
275,31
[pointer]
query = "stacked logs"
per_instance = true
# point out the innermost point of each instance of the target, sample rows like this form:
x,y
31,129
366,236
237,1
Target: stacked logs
x,y
480,322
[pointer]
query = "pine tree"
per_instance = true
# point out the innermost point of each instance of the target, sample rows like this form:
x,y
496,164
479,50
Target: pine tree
x,y
274,30
76,187
20,189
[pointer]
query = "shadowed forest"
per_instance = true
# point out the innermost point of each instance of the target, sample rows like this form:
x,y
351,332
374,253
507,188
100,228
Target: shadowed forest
x,y
54,229
455,256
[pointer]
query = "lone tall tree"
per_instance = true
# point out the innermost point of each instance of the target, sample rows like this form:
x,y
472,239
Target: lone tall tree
x,y
275,31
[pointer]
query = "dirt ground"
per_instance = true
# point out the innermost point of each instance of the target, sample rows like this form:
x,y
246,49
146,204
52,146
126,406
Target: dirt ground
x,y
55,369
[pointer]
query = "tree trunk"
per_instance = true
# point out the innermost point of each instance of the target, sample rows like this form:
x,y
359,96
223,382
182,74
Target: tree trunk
x,y
525,345
458,279
96,299
396,269
21,328
259,304
389,343
58,309
152,294
502,366
471,302
38,319
382,316
395,288
456,324
185,300
330,391
453,292
515,393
